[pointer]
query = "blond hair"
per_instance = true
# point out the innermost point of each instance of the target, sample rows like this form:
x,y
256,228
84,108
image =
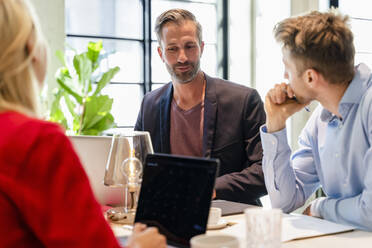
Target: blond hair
x,y
319,41
177,16
18,86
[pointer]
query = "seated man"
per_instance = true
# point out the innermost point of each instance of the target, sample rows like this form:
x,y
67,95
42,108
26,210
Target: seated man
x,y
335,145
198,115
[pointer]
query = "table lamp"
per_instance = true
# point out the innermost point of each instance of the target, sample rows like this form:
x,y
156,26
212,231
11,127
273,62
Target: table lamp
x,y
124,169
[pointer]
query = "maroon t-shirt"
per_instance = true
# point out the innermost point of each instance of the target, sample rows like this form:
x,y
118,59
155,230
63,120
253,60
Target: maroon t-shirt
x,y
186,130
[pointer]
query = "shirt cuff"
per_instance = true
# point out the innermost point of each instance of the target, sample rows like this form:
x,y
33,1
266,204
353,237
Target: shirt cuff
x,y
316,206
273,142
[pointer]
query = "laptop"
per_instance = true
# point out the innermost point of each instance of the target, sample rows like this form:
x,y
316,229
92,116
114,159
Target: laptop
x,y
176,194
93,153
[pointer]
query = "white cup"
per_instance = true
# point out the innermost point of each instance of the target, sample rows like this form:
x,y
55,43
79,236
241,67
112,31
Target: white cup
x,y
214,241
263,227
214,216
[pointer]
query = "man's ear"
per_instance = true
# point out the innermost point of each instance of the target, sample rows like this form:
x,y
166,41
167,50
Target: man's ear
x,y
201,48
311,77
160,52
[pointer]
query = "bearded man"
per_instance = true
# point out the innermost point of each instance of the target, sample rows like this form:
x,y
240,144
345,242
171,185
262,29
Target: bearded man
x,y
197,115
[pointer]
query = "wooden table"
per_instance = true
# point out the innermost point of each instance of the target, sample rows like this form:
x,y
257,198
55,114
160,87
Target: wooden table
x,y
354,239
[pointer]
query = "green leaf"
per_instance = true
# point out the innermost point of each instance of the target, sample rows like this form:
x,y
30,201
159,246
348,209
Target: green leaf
x,y
105,79
70,105
63,79
90,132
105,123
76,124
56,114
83,68
101,57
56,102
61,57
94,48
59,117
96,108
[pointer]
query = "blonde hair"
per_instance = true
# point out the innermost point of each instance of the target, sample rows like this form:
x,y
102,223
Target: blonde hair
x,y
19,89
320,41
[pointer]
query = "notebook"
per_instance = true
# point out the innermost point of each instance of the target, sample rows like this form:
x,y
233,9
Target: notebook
x,y
230,208
176,195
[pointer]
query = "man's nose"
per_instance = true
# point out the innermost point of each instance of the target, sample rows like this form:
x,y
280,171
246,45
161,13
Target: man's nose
x,y
182,56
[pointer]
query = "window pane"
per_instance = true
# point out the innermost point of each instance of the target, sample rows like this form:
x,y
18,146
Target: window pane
x,y
125,54
361,24
269,65
119,18
240,42
365,58
159,73
127,102
208,63
358,8
362,39
206,14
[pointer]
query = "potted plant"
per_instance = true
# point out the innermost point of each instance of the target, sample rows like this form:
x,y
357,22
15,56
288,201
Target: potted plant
x,y
78,104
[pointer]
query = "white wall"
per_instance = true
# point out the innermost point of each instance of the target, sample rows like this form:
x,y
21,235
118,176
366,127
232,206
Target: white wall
x,y
52,19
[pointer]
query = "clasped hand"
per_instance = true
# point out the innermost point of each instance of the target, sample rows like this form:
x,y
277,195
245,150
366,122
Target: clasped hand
x,y
280,104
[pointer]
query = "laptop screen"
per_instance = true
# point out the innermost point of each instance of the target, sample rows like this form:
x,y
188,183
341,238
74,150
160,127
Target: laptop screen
x,y
176,195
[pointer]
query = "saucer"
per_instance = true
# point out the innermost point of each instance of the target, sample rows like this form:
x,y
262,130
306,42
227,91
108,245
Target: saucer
x,y
221,224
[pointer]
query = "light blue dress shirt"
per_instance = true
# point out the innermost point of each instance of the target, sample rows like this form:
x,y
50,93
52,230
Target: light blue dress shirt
x,y
334,153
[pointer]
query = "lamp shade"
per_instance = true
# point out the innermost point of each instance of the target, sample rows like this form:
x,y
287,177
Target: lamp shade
x,y
123,146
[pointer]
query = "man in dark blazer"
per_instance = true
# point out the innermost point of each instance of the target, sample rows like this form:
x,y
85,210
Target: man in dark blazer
x,y
203,116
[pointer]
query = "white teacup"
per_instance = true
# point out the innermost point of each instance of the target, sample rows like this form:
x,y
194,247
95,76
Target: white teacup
x,y
214,216
214,241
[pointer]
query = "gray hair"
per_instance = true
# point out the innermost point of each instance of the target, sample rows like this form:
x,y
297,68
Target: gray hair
x,y
176,16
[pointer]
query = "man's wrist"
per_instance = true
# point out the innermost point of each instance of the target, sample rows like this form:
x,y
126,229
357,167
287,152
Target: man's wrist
x,y
272,127
315,207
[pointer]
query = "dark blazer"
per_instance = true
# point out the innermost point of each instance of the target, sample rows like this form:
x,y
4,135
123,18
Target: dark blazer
x,y
233,115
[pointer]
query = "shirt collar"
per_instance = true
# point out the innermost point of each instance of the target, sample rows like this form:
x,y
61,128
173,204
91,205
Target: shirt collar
x,y
353,93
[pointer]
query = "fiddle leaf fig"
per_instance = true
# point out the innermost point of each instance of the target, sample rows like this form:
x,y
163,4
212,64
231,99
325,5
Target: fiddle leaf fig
x,y
78,103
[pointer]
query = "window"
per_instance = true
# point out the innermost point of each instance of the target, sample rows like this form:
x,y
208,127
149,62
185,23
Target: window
x,y
361,25
269,65
124,27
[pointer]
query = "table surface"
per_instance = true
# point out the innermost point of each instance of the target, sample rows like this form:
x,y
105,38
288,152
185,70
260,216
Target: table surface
x,y
356,238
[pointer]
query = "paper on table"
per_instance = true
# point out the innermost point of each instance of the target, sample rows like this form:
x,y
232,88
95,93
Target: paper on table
x,y
295,226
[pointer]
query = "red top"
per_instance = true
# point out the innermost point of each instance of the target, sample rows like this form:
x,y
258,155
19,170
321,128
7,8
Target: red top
x,y
45,197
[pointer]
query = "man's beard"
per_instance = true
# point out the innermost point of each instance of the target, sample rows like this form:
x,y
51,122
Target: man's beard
x,y
187,76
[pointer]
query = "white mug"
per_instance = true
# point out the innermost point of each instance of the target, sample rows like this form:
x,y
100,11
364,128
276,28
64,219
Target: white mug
x,y
214,216
214,241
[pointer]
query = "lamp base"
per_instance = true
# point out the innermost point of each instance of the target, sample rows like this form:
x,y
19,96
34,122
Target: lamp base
x,y
120,215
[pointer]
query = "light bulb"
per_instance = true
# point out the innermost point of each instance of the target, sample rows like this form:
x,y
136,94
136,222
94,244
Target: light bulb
x,y
132,170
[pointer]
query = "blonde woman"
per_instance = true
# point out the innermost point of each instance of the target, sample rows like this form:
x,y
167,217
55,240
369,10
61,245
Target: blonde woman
x,y
45,197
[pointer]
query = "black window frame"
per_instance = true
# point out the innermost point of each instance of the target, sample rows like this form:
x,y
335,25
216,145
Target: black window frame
x,y
147,40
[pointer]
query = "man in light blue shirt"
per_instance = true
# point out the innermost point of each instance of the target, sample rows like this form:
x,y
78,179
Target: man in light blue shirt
x,y
335,145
